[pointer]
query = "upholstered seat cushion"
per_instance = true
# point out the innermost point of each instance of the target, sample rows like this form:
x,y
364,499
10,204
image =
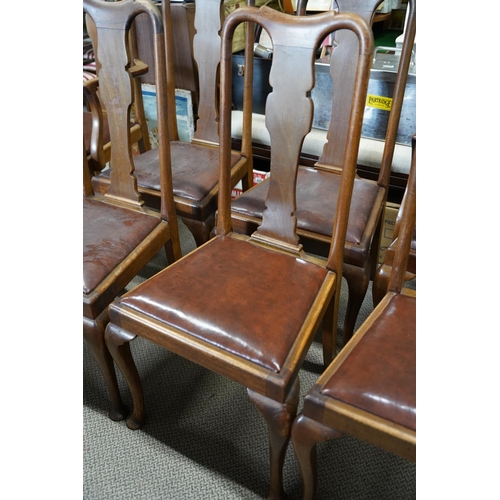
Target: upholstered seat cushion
x,y
210,294
87,129
193,181
316,202
379,375
110,233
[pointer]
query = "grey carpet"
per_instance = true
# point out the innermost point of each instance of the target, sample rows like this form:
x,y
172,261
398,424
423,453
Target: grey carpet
x,y
204,439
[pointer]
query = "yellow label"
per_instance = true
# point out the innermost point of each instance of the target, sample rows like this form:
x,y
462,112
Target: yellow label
x,y
379,102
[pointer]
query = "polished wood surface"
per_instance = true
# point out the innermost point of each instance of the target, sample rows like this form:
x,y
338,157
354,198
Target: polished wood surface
x,y
248,307
120,234
383,274
95,118
316,200
96,128
369,390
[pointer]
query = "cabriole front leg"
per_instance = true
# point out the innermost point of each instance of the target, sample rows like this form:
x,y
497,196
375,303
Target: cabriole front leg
x,y
279,418
118,342
306,434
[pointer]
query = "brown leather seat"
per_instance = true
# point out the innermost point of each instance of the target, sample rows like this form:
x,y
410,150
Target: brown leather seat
x,y
248,307
379,376
109,234
316,208
369,390
120,235
191,183
290,285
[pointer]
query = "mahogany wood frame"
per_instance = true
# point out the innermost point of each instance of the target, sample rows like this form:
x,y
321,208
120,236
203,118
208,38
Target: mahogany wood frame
x,y
148,311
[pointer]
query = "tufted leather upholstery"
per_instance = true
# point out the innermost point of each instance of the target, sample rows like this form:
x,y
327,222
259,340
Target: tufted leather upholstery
x,y
382,385
289,284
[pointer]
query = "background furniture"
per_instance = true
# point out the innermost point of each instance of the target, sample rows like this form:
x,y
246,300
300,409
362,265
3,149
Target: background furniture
x,y
120,235
374,125
95,129
182,24
95,118
194,164
211,307
369,390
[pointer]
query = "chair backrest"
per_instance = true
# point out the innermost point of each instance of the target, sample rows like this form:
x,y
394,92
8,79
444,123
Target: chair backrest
x,y
343,73
140,127
208,22
289,111
117,67
206,52
398,95
406,226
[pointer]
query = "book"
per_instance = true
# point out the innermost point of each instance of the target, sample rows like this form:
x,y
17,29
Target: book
x,y
183,110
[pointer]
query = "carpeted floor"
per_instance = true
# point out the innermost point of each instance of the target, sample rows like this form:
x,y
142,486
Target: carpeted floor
x,y
204,439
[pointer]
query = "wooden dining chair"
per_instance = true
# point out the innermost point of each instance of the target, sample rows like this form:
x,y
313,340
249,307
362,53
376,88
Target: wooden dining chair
x,y
317,187
383,273
120,234
254,327
369,390
194,164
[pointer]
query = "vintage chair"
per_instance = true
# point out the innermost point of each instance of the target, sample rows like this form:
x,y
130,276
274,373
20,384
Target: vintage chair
x,y
195,164
249,307
369,390
121,235
381,279
317,187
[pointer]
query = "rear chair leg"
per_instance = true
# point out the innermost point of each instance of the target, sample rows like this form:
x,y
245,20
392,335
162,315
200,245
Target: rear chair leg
x,y
357,280
201,231
118,342
93,333
330,327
